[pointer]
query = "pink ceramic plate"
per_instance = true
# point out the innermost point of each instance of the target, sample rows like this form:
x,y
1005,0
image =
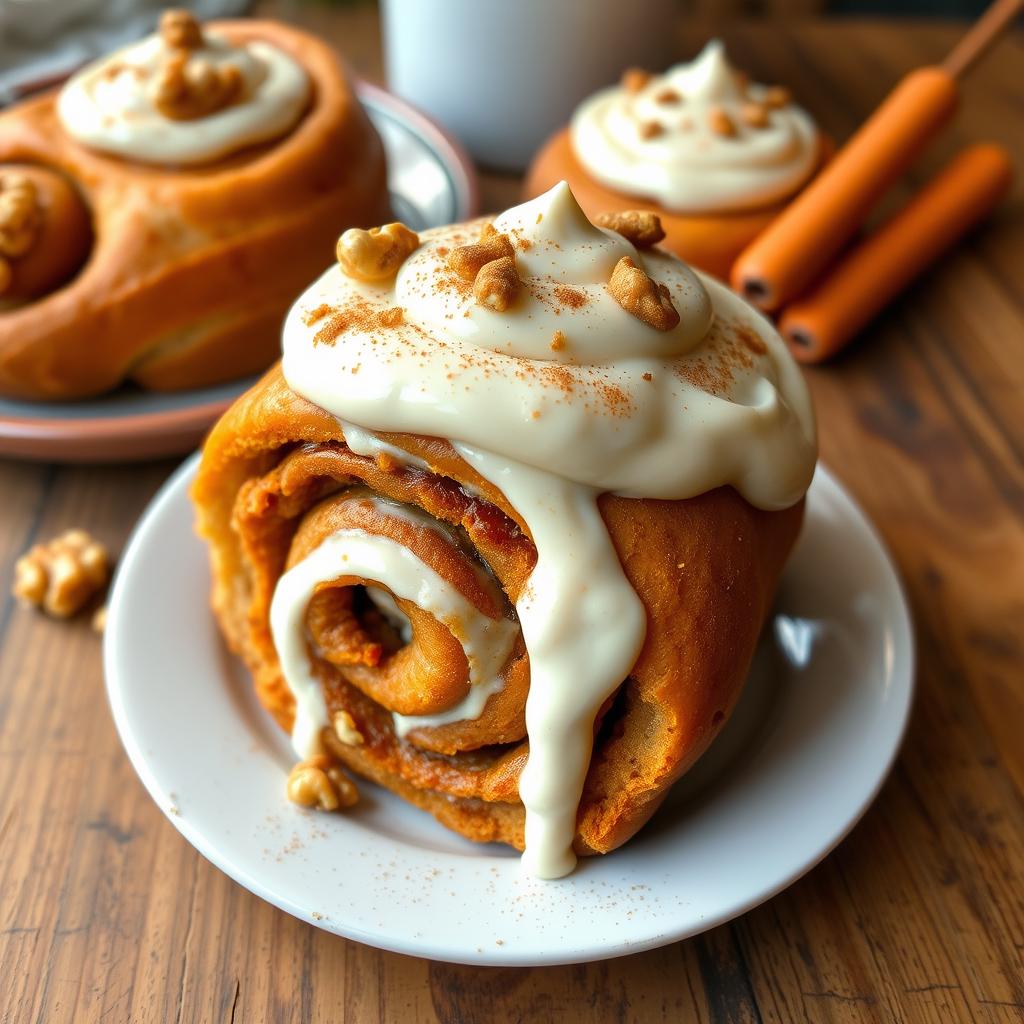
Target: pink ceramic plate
x,y
431,181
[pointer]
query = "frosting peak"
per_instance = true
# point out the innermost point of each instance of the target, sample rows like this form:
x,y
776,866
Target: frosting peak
x,y
565,263
699,138
184,97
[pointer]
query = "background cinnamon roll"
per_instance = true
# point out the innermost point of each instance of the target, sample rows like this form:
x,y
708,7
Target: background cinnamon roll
x,y
184,189
715,155
501,531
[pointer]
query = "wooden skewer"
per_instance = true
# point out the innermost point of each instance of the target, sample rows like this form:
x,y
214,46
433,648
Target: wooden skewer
x,y
803,240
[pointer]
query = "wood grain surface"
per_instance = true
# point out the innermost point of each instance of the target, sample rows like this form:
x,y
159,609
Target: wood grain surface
x,y
107,914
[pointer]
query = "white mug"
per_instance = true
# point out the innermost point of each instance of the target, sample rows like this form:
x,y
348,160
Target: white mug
x,y
503,75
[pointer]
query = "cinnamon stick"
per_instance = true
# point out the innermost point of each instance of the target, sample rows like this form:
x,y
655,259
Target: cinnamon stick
x,y
874,272
809,233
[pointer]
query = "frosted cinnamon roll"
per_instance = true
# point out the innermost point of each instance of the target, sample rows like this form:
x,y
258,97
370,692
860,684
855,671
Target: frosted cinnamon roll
x,y
502,529
186,188
714,154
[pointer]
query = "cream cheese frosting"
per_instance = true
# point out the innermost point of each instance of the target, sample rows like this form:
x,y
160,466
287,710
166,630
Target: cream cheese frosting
x,y
697,139
110,105
556,400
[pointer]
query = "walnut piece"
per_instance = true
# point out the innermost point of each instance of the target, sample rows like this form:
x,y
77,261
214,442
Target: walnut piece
x,y
61,576
346,730
497,284
776,96
641,227
721,123
754,114
375,255
187,88
641,296
19,221
467,260
320,782
634,79
180,30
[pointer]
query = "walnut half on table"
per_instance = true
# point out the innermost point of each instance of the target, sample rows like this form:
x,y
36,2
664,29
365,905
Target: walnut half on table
x,y
61,576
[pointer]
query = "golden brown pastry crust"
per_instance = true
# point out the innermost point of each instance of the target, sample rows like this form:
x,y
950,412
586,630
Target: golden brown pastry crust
x,y
708,241
192,268
705,568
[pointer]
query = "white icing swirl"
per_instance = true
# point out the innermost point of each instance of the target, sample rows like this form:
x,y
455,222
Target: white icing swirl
x,y
109,104
686,166
486,642
616,406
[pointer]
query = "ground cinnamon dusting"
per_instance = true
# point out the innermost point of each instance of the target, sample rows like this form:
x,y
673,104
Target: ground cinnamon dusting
x,y
750,340
311,316
615,399
360,316
332,330
557,341
571,297
559,377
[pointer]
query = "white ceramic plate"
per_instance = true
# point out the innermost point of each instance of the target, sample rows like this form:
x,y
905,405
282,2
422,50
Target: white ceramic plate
x,y
797,765
431,181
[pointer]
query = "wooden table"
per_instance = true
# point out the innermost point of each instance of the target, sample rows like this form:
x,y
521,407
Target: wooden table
x,y
106,913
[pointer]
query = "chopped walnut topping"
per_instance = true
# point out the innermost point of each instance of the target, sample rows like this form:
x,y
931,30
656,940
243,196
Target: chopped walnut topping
x,y
346,730
467,260
641,296
376,255
558,341
61,576
720,122
19,221
320,782
187,88
668,95
497,284
776,96
180,30
634,79
754,114
650,129
641,227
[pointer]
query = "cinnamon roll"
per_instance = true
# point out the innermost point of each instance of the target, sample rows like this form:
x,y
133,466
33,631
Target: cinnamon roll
x,y
715,155
501,530
183,191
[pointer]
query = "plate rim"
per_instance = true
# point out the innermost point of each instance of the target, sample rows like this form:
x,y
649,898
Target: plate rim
x,y
163,432
902,625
